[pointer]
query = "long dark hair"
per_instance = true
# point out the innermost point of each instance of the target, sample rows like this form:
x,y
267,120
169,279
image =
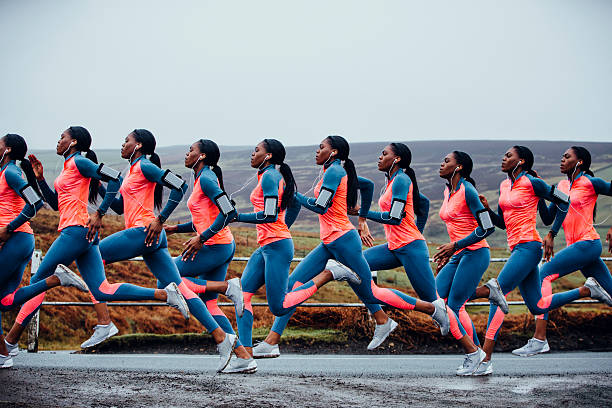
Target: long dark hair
x,y
147,140
467,165
83,139
341,145
19,148
405,155
527,155
585,157
211,150
277,150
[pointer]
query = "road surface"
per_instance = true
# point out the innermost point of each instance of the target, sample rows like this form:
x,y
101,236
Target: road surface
x,y
58,379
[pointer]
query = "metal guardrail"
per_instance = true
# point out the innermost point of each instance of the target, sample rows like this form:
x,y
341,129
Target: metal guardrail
x,y
33,327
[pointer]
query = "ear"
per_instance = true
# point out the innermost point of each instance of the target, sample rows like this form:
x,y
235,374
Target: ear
x,y
138,146
334,152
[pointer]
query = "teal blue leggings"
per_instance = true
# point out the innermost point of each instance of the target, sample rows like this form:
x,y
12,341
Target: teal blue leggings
x,y
130,243
210,263
346,250
582,255
72,245
15,255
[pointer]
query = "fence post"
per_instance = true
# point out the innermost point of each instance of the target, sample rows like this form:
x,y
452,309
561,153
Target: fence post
x,y
34,323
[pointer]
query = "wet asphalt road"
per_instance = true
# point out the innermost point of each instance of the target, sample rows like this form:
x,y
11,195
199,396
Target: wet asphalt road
x,y
61,379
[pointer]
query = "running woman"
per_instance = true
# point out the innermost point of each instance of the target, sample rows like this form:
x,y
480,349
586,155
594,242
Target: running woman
x,y
78,240
144,235
203,264
19,202
463,261
269,264
519,195
583,243
334,194
404,215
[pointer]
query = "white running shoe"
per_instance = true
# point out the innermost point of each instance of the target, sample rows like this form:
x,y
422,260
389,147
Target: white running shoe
x,y
225,349
6,361
471,362
101,333
440,316
241,366
266,350
597,292
13,349
68,278
381,332
485,368
175,299
533,347
496,296
342,272
234,293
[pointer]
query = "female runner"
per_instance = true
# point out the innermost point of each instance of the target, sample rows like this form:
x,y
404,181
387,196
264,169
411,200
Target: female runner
x,y
334,194
269,264
463,261
19,202
584,247
203,264
519,195
140,194
404,214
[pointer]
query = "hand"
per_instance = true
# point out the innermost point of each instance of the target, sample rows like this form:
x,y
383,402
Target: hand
x,y
441,263
549,247
192,246
94,223
4,234
354,210
364,233
444,251
609,240
36,166
484,201
170,229
153,230
234,218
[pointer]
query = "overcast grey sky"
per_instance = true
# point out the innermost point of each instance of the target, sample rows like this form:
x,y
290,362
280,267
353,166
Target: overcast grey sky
x,y
240,71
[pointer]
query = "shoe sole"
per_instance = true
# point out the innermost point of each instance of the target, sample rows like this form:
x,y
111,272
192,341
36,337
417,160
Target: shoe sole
x,y
482,374
113,332
256,357
531,354
245,371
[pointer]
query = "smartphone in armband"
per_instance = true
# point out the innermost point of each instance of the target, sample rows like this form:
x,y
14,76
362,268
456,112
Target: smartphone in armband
x,y
172,180
484,219
109,172
270,206
558,195
30,195
324,198
224,204
397,209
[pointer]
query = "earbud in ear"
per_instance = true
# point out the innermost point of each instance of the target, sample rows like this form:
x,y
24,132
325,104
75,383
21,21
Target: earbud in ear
x,y
457,168
267,157
579,164
137,147
332,154
395,161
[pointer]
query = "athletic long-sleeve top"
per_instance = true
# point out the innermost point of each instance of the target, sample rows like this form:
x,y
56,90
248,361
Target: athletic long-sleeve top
x,y
15,212
72,191
333,218
270,184
136,199
583,193
518,207
399,231
207,220
459,211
